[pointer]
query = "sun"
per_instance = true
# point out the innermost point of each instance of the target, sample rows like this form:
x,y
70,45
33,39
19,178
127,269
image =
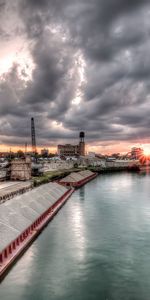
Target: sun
x,y
23,61
146,150
147,153
6,63
145,157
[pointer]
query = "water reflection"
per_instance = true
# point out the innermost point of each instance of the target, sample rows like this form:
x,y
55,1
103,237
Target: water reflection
x,y
76,223
97,247
145,170
82,193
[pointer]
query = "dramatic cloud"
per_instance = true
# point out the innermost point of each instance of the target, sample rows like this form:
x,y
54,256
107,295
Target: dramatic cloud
x,y
75,65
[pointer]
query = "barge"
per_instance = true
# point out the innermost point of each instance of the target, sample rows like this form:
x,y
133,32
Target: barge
x,y
78,179
10,189
24,217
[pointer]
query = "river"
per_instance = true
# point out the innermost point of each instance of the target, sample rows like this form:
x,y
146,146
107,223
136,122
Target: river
x,y
96,248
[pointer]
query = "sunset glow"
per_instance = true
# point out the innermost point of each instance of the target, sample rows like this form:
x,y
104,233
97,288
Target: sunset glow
x,y
22,60
146,150
57,66
6,63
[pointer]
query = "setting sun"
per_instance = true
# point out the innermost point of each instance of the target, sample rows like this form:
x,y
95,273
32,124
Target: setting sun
x,y
146,150
6,63
24,62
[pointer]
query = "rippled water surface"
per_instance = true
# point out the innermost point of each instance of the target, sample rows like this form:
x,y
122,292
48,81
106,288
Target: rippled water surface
x,y
97,247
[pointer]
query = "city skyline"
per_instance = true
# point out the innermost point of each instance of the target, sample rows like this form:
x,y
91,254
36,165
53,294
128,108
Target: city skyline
x,y
88,149
75,65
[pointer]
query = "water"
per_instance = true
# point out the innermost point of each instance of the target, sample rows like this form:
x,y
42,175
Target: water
x,y
97,247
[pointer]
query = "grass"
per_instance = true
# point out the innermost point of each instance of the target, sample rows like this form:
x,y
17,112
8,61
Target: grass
x,y
52,175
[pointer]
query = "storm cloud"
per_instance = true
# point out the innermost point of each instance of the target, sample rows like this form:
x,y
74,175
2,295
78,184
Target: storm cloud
x,y
84,66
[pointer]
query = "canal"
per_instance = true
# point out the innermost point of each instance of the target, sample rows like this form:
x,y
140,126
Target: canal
x,y
97,247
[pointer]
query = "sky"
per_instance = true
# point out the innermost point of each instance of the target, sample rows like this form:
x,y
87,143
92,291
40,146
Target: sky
x,y
75,65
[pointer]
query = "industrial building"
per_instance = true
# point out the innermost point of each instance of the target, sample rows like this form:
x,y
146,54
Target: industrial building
x,y
68,150
21,169
73,150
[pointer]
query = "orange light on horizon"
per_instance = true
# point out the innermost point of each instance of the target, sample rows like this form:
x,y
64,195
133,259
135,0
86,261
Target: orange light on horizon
x,y
121,147
146,150
5,148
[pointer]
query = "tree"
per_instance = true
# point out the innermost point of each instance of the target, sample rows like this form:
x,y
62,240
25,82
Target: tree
x,y
20,153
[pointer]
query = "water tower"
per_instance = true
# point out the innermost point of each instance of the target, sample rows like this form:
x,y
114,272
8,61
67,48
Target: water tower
x,y
81,143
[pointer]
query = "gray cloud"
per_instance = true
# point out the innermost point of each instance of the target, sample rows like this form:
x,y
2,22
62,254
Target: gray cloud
x,y
91,71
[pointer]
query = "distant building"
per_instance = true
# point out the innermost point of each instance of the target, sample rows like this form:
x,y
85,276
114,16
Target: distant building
x,y
136,153
68,150
73,150
91,154
45,152
5,154
21,169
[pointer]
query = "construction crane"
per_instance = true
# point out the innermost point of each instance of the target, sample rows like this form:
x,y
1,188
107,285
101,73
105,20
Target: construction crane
x,y
33,136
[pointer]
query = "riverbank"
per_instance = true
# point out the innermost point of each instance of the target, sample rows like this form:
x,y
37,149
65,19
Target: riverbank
x,y
52,176
59,174
106,170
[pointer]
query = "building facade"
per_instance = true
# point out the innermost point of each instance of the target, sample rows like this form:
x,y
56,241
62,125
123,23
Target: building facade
x,y
21,169
68,150
73,150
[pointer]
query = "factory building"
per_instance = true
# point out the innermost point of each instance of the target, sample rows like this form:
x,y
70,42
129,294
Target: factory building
x,y
73,150
68,150
21,169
